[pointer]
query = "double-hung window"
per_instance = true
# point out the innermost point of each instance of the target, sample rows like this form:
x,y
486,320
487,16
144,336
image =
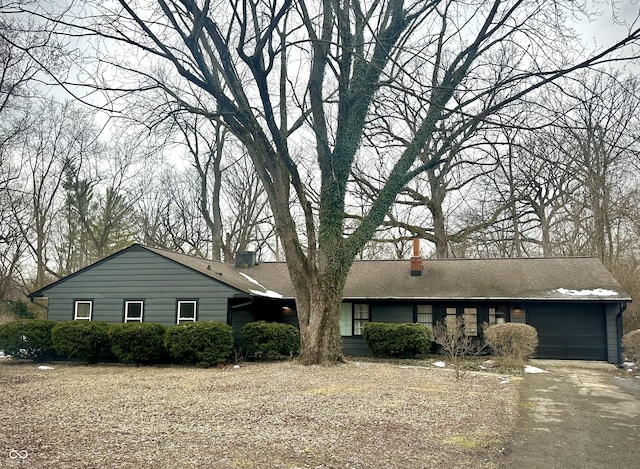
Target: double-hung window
x,y
353,317
424,315
82,310
451,317
187,311
133,310
360,317
470,316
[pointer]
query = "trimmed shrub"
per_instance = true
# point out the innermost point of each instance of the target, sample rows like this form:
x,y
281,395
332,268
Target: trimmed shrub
x,y
138,342
81,340
28,338
397,340
512,343
631,344
271,340
200,343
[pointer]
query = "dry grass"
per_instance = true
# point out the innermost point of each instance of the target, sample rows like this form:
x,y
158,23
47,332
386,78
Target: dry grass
x,y
280,415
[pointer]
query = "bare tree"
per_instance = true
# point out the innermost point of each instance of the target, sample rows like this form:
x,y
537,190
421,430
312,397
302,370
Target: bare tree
x,y
283,74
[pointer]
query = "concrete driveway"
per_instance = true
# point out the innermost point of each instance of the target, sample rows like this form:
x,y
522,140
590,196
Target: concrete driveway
x,y
578,415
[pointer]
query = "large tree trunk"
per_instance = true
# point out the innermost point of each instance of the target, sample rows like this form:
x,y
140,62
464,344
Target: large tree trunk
x,y
321,342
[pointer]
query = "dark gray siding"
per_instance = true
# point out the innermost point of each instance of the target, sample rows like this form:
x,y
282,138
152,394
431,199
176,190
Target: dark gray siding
x,y
399,313
355,346
613,338
139,274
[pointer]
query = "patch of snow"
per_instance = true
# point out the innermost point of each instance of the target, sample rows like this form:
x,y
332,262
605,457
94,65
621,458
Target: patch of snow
x,y
44,367
534,369
251,279
439,364
594,292
2,355
505,381
265,292
236,367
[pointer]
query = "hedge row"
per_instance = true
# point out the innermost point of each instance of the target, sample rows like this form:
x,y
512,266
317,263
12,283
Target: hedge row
x,y
198,343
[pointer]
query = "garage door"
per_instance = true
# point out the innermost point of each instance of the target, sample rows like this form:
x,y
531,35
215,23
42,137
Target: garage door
x,y
569,331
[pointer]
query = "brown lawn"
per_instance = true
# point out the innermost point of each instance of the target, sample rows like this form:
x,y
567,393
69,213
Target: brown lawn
x,y
274,415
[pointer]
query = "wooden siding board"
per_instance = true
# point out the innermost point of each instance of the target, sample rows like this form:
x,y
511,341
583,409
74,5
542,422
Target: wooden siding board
x,y
144,275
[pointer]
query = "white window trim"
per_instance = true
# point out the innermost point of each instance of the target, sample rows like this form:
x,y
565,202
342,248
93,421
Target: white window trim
x,y
76,303
126,310
180,319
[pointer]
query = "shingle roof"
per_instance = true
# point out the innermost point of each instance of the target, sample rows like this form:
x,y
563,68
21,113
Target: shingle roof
x,y
574,278
554,279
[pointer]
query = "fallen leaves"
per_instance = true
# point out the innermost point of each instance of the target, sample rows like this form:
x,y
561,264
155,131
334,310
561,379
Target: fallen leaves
x,y
269,415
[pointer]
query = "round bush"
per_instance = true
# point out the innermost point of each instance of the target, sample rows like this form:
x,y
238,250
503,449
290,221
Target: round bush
x,y
631,344
27,338
199,343
271,340
512,343
136,342
81,340
397,340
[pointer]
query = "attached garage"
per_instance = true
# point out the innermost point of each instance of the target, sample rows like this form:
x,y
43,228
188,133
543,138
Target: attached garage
x,y
575,303
570,331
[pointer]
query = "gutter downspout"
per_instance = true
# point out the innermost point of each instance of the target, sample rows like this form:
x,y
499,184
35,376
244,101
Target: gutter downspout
x,y
619,332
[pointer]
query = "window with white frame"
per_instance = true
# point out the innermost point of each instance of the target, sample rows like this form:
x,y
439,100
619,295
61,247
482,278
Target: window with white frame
x,y
424,315
133,310
346,319
470,316
187,310
83,310
360,317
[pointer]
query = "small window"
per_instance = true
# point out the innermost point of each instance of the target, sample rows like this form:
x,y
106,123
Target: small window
x,y
496,316
424,315
470,316
360,317
133,310
83,310
187,310
346,319
451,318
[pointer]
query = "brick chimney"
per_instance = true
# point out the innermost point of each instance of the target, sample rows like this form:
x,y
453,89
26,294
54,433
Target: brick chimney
x,y
416,260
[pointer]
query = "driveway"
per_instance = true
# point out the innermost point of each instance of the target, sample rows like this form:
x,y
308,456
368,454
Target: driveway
x,y
578,415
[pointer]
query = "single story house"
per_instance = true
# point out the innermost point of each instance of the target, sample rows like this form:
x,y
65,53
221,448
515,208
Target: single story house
x,y
574,303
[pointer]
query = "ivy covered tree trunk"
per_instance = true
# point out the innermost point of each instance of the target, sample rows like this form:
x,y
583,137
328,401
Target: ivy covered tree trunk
x,y
310,89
